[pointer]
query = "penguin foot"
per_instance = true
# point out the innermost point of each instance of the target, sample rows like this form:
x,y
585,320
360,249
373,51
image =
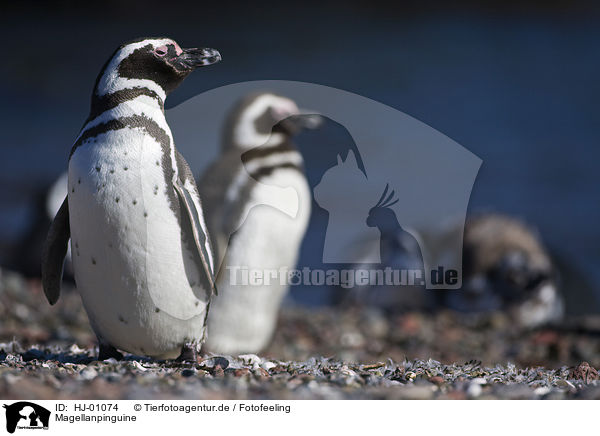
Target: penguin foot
x,y
189,353
106,351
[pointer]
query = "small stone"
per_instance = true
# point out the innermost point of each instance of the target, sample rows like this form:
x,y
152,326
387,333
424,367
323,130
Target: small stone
x,y
188,372
218,371
373,366
135,365
250,359
584,372
475,389
437,380
565,384
268,366
241,372
32,354
221,361
88,373
76,350
542,390
260,372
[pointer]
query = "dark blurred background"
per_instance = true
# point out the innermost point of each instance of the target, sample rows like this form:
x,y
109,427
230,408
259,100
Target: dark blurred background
x,y
514,82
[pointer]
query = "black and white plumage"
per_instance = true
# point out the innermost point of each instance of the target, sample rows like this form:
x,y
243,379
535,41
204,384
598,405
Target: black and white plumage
x,y
506,267
242,191
142,260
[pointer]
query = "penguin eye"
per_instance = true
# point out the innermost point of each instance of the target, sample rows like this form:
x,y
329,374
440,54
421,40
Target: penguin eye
x,y
161,51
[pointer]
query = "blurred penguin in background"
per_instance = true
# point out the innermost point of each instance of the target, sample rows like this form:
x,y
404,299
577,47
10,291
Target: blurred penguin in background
x,y
506,267
241,191
25,224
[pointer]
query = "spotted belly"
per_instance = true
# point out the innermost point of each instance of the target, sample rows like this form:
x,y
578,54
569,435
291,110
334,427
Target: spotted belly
x,y
136,272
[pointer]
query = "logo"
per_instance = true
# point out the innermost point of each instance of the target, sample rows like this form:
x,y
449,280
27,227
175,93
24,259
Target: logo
x,y
388,192
26,415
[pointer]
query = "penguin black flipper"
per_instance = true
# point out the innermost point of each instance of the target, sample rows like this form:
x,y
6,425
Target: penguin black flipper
x,y
54,252
186,197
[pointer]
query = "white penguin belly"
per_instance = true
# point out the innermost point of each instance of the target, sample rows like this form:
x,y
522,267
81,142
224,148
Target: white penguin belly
x,y
139,281
243,317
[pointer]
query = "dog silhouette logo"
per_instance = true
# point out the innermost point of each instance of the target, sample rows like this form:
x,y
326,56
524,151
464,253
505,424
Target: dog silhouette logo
x,y
26,415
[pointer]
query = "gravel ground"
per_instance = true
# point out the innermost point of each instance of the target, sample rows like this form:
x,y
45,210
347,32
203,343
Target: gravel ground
x,y
355,353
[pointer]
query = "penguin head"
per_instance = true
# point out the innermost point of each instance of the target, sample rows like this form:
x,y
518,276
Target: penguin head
x,y
158,64
263,117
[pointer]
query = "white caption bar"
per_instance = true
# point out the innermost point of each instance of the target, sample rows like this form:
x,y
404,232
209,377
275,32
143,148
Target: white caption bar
x,y
295,417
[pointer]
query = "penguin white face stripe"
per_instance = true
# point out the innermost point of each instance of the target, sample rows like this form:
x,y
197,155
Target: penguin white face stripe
x,y
120,84
110,101
246,134
110,81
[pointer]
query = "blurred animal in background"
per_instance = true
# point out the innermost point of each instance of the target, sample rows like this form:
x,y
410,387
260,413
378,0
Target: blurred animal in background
x,y
142,260
40,205
506,267
258,205
23,230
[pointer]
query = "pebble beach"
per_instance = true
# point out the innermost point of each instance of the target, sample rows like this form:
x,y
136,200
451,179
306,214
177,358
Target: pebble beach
x,y
317,353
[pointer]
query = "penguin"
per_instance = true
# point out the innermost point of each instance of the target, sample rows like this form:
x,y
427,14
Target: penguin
x,y
142,259
506,267
256,152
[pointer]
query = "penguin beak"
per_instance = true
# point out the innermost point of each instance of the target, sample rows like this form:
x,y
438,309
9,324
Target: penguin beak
x,y
309,119
305,119
192,58
294,124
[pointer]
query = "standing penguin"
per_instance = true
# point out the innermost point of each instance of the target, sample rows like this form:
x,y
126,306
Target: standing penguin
x,y
256,153
141,256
